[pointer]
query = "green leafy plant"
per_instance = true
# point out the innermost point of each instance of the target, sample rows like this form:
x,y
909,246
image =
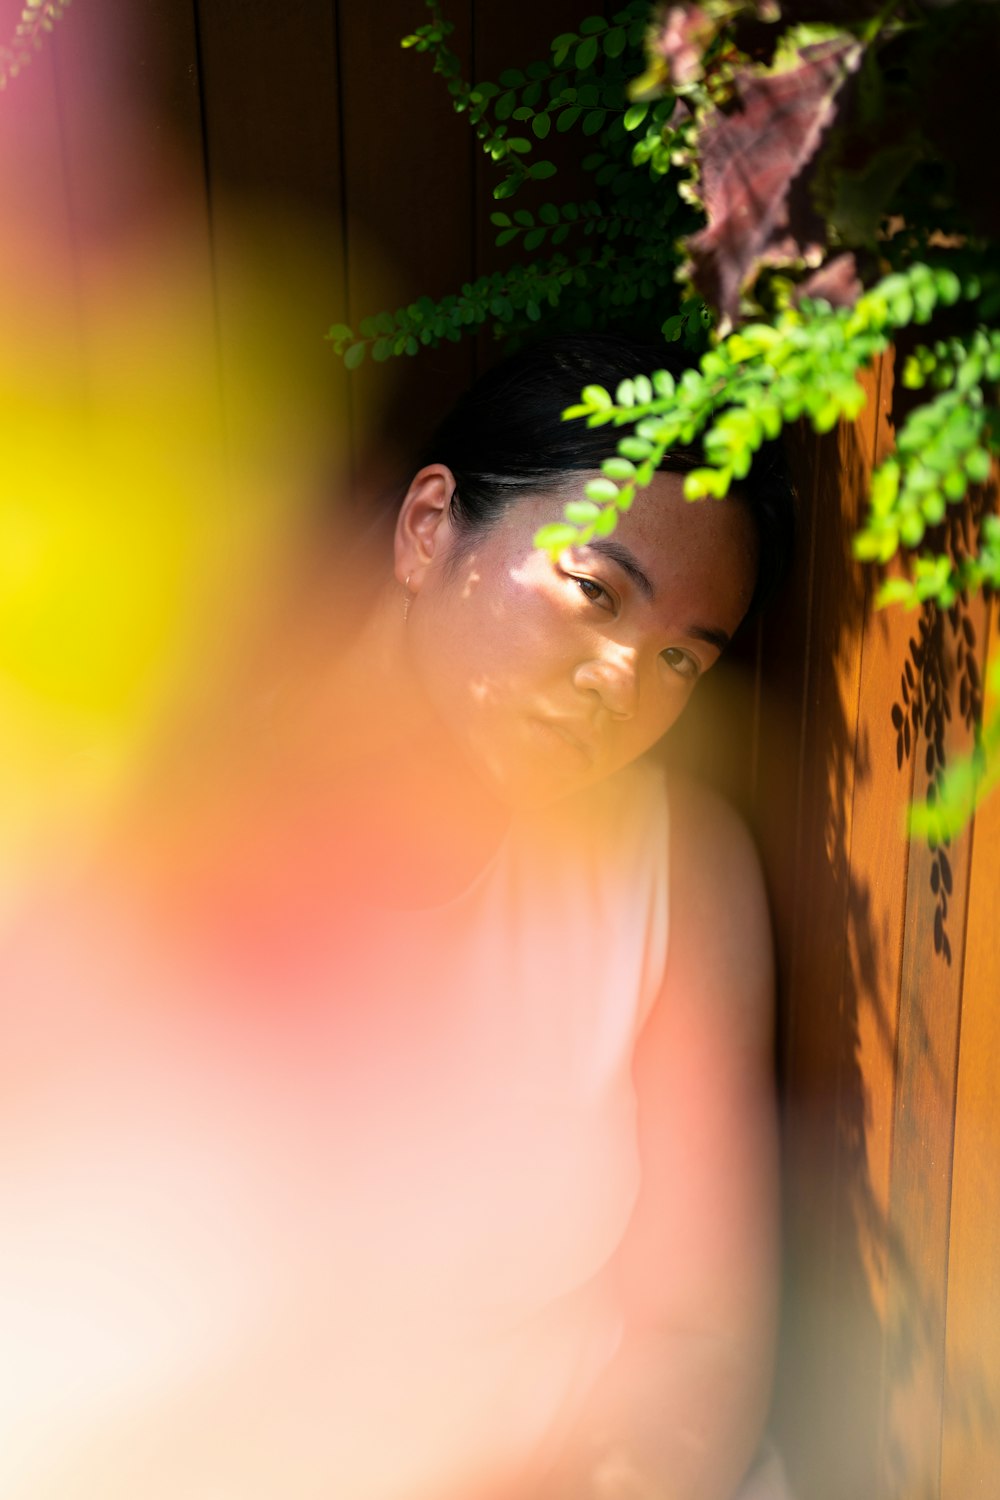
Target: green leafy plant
x,y
803,364
605,257
840,211
772,187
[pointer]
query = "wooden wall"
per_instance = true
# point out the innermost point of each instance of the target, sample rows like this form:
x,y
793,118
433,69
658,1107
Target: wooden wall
x,y
292,142
890,983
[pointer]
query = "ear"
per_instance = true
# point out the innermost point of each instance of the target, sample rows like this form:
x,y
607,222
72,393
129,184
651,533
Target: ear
x,y
423,526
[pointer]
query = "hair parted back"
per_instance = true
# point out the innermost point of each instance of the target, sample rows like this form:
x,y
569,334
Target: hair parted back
x,y
505,438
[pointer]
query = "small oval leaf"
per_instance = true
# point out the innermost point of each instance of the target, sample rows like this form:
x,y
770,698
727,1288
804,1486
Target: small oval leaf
x,y
601,490
582,512
586,53
555,536
597,398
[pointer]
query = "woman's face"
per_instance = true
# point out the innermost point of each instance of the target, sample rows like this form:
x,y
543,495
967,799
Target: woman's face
x,y
551,675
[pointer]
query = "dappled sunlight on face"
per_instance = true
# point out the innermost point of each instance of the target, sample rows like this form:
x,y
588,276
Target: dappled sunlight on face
x,y
472,579
554,674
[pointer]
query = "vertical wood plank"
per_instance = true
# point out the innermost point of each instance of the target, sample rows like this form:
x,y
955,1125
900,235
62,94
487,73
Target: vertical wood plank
x,y
269,77
819,1022
970,1459
879,859
408,197
927,1056
859,1247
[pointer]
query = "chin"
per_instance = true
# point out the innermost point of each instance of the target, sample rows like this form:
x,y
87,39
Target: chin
x,y
532,766
529,788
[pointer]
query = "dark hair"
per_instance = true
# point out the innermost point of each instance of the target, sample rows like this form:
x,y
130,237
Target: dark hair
x,y
506,438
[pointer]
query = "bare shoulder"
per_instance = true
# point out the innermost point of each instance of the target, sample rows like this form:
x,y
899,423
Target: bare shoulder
x,y
710,844
720,930
704,1236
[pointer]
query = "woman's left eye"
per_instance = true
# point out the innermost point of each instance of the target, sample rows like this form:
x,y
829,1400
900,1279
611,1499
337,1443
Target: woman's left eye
x,y
680,662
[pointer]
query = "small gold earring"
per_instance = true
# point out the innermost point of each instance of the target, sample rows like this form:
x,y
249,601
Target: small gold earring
x,y
406,598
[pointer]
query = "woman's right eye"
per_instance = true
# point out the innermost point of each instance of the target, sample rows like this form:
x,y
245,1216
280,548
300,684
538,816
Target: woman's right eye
x,y
594,591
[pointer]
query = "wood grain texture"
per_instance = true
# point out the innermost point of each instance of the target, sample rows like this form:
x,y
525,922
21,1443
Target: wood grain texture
x,y
829,1321
947,649
858,1251
872,942
970,1458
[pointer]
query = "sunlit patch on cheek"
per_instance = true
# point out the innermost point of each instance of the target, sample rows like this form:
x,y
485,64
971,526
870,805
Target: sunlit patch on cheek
x,y
469,587
489,691
533,570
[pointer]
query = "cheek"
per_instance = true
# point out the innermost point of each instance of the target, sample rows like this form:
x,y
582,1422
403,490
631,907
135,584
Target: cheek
x,y
665,698
485,641
663,709
516,629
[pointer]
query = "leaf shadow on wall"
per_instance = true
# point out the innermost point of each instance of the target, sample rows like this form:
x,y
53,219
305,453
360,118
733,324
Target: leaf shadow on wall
x,y
842,688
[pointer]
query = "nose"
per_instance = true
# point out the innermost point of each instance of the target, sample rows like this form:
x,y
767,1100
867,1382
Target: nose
x,y
614,678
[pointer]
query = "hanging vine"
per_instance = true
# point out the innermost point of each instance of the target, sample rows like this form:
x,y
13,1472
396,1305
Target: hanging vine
x,y
771,187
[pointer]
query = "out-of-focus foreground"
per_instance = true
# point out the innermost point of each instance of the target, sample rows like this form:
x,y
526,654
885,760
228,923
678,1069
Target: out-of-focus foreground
x,y
192,196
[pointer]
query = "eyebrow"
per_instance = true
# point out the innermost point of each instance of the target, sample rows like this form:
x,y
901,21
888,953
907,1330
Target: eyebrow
x,y
630,564
626,560
710,634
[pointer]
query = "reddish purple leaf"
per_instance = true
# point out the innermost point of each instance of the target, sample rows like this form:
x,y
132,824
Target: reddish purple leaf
x,y
755,161
837,282
679,37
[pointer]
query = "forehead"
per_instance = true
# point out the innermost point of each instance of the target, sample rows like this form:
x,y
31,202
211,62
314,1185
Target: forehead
x,y
702,547
662,521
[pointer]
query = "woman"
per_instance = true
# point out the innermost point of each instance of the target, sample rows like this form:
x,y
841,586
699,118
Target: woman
x,y
422,1140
